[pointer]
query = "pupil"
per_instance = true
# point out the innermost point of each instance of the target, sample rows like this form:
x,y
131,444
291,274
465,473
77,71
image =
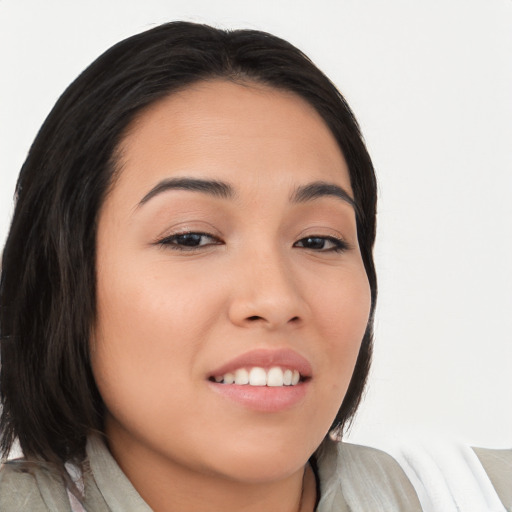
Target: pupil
x,y
315,243
189,239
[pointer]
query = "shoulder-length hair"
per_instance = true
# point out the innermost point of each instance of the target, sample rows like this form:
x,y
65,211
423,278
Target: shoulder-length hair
x,y
49,399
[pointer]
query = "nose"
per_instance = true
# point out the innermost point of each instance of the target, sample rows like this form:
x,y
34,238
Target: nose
x,y
266,293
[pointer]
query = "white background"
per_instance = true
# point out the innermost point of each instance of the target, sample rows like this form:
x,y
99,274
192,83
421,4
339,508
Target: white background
x,y
431,84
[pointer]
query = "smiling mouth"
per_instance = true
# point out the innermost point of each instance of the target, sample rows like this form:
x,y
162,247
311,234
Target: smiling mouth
x,y
258,376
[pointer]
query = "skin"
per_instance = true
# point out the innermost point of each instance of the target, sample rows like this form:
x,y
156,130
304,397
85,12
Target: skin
x,y
167,316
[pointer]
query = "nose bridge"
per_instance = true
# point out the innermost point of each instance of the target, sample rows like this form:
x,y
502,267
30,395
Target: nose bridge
x,y
267,291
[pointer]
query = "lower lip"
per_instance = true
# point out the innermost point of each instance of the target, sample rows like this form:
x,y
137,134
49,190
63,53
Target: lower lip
x,y
263,398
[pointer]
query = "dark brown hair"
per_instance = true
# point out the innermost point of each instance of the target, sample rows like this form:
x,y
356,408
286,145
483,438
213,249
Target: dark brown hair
x,y
49,399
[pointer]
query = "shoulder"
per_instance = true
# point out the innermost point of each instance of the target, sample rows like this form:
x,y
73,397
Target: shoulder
x,y
449,474
498,466
364,478
365,469
19,489
437,475
30,486
368,459
368,462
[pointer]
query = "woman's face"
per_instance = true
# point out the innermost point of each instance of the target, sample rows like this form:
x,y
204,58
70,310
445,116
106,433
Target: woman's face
x,y
227,249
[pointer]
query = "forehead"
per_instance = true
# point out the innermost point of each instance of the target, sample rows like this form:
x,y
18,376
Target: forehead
x,y
245,134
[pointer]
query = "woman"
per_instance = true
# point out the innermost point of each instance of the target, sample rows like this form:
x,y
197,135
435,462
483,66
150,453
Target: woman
x,y
188,288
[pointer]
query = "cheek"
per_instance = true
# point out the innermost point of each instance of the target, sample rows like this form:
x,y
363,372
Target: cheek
x,y
342,309
150,304
143,353
151,324
342,316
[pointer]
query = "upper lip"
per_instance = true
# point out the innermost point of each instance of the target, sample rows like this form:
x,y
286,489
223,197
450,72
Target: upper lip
x,y
267,358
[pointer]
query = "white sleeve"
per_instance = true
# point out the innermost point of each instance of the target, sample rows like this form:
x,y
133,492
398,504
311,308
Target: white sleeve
x,y
448,477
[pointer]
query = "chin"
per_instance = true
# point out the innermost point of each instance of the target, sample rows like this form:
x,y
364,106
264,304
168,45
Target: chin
x,y
258,471
265,462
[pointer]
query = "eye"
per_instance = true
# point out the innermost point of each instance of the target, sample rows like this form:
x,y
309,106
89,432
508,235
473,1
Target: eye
x,y
322,244
188,241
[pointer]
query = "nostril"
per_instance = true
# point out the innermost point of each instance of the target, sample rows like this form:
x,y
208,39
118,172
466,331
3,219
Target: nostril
x,y
254,318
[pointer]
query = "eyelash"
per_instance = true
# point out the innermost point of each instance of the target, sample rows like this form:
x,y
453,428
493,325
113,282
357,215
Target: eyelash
x,y
171,241
339,245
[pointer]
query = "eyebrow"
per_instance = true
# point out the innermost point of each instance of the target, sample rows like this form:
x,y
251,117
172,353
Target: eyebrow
x,y
211,187
319,189
215,188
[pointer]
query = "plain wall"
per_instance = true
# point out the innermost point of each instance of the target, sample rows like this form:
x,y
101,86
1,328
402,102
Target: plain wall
x,y
431,84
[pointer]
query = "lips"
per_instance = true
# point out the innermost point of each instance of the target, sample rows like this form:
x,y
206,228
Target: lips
x,y
263,380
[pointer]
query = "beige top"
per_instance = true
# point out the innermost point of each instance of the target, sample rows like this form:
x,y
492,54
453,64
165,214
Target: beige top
x,y
352,479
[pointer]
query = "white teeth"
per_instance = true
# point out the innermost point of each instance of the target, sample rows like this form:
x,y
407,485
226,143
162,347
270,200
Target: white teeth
x,y
275,377
229,378
257,376
241,376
